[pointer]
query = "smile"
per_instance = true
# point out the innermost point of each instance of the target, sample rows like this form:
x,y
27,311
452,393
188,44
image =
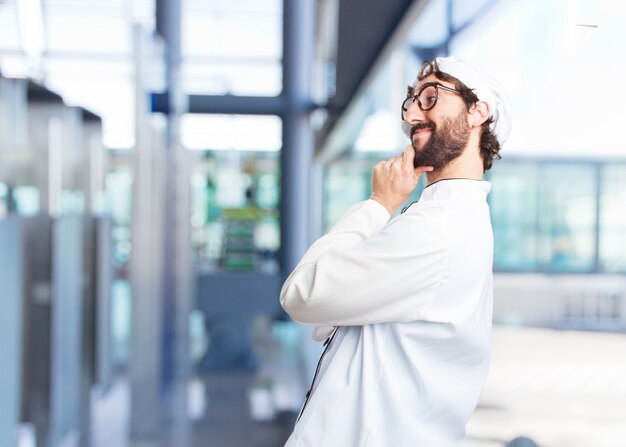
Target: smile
x,y
421,132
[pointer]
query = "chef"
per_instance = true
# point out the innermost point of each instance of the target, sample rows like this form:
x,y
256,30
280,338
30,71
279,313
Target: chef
x,y
405,304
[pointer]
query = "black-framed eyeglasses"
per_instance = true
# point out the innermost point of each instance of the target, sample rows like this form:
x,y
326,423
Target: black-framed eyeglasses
x,y
426,98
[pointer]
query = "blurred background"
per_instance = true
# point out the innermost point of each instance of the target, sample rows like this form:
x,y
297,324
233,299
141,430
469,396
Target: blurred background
x,y
165,163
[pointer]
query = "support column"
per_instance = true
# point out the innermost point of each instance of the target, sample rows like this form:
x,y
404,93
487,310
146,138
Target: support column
x,y
11,340
178,274
145,360
297,151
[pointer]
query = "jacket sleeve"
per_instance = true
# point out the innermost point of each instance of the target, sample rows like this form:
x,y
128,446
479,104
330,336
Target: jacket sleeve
x,y
366,270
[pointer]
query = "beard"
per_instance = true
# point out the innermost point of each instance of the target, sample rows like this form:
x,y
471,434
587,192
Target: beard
x,y
445,144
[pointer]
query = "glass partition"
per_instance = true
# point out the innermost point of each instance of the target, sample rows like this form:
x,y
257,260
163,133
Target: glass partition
x,y
345,184
11,344
513,200
547,216
613,219
232,47
235,220
4,200
235,190
567,217
349,181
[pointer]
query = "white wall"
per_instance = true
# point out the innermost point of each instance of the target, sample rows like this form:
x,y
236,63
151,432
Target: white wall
x,y
568,301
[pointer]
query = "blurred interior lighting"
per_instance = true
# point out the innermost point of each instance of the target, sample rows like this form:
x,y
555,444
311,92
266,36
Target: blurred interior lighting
x,y
379,133
30,17
231,132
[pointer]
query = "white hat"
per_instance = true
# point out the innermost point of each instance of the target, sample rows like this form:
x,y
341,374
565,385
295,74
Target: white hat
x,y
485,87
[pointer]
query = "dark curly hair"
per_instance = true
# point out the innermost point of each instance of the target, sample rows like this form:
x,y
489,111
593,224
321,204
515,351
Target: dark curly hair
x,y
489,145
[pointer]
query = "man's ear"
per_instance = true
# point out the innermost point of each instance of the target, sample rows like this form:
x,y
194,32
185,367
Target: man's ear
x,y
479,113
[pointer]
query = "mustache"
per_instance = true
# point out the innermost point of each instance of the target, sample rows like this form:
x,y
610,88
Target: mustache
x,y
420,126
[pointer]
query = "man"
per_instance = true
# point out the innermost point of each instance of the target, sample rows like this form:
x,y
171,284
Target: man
x,y
410,299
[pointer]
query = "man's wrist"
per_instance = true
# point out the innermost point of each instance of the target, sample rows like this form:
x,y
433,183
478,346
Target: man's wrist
x,y
389,207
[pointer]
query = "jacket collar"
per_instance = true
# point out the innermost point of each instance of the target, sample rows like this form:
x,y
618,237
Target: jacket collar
x,y
455,188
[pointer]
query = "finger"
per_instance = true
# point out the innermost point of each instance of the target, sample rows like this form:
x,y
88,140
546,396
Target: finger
x,y
396,164
408,156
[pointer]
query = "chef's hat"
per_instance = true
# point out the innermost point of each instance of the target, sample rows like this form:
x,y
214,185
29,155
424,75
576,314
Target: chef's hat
x,y
485,87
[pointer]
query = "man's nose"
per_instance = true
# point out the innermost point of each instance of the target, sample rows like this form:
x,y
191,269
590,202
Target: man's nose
x,y
414,114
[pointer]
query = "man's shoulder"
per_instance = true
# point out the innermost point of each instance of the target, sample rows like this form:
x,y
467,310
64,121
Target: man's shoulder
x,y
425,211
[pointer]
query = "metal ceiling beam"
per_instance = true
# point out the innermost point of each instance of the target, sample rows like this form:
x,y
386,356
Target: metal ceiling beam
x,y
245,105
365,28
39,93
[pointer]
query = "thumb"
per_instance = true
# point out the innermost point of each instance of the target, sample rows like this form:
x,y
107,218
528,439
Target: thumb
x,y
421,169
408,157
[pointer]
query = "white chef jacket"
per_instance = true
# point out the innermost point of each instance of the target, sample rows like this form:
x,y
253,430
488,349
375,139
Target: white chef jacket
x,y
413,301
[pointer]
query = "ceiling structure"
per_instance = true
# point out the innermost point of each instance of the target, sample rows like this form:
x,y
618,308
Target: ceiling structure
x,y
365,27
364,31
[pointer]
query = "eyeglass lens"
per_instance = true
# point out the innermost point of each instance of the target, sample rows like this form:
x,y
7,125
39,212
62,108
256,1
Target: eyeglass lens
x,y
426,99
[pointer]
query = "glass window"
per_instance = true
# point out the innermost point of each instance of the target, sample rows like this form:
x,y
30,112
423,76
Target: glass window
x,y
567,217
83,33
349,181
613,219
239,77
232,47
235,200
119,198
103,87
9,31
27,200
464,12
88,57
431,28
549,214
513,204
535,45
345,184
231,132
4,200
